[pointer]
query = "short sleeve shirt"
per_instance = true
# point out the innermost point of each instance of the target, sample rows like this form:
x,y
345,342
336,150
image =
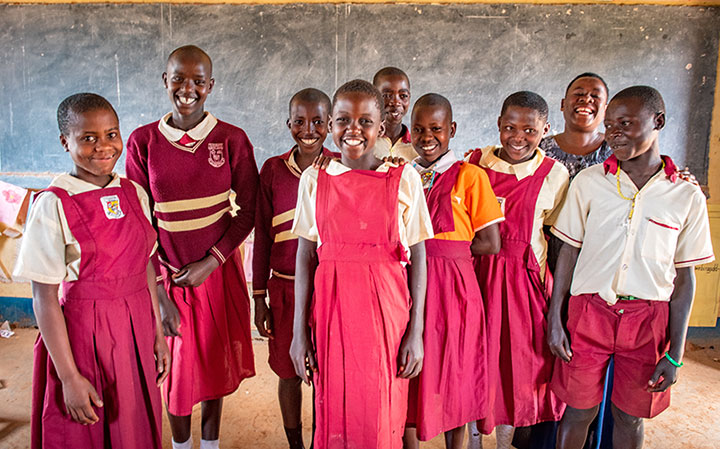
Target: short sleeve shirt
x,y
401,148
633,256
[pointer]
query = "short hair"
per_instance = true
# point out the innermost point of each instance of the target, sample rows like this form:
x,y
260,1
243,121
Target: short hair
x,y
311,95
526,99
79,104
390,71
588,75
361,87
191,51
651,98
433,99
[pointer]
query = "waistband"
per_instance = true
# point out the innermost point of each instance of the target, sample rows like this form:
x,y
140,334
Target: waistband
x,y
279,275
448,249
361,252
103,289
624,304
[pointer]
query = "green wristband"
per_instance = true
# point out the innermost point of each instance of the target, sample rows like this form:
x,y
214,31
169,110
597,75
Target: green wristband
x,y
671,360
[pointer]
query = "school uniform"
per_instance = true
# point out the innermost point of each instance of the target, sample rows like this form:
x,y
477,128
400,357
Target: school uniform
x,y
402,148
189,176
515,286
364,223
624,279
451,389
96,242
274,252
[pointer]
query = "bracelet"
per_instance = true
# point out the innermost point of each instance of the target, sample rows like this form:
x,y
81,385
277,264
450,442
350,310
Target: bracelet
x,y
671,360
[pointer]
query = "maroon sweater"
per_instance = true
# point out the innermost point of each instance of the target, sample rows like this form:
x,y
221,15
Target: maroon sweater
x,y
189,191
275,247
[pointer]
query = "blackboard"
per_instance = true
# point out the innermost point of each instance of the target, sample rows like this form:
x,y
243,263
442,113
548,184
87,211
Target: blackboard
x,y
473,54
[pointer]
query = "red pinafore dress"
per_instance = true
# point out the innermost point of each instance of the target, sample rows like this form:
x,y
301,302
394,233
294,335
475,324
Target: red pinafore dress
x,y
451,389
519,359
111,327
360,310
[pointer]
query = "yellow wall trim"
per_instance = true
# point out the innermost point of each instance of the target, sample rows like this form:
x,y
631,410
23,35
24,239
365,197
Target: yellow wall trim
x,y
414,2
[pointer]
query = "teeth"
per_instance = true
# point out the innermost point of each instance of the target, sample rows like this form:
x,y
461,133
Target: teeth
x,y
584,111
185,100
428,147
308,141
353,142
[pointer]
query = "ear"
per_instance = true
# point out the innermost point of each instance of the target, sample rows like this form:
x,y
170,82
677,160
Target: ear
x,y
382,129
164,78
546,128
287,122
453,128
659,120
211,85
64,142
499,118
562,104
330,123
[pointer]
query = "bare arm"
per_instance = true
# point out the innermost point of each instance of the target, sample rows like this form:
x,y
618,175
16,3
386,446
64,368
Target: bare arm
x,y
411,350
557,337
301,351
486,241
77,390
680,305
162,352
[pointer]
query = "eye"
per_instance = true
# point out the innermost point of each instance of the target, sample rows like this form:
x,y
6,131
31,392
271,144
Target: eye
x,y
386,95
89,139
366,121
508,128
417,130
200,82
341,120
404,96
298,122
437,129
318,122
113,135
625,123
176,79
530,131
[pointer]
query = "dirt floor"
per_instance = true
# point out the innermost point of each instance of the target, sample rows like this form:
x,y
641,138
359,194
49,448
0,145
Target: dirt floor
x,y
251,417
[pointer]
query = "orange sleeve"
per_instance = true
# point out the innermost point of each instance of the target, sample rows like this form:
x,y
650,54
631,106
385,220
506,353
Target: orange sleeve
x,y
480,200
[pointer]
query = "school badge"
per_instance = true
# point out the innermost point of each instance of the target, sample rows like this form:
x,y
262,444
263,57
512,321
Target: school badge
x,y
217,157
111,206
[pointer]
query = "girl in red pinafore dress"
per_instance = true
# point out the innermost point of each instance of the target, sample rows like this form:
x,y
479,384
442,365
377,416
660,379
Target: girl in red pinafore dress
x,y
451,390
356,221
515,283
96,361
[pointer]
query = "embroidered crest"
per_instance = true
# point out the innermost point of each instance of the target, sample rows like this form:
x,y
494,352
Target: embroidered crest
x,y
217,157
501,202
111,206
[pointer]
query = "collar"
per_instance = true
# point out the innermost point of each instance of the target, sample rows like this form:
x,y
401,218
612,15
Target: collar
x,y
671,171
199,132
406,137
441,165
335,167
74,185
521,171
293,166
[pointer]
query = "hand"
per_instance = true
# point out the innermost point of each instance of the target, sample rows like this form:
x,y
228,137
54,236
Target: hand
x,y
78,394
468,153
321,162
558,341
263,317
195,273
302,355
685,175
411,355
663,370
395,160
169,313
162,358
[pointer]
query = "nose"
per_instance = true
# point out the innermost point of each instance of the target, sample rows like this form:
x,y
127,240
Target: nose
x,y
394,100
186,85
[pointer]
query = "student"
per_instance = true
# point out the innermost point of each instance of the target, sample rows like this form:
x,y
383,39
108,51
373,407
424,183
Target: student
x,y
451,390
189,162
394,85
357,222
275,246
530,187
95,380
632,233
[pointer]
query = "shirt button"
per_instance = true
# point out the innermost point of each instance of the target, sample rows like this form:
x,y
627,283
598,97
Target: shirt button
x,y
624,267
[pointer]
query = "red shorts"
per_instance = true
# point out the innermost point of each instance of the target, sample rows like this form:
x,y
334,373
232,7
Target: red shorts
x,y
635,333
282,308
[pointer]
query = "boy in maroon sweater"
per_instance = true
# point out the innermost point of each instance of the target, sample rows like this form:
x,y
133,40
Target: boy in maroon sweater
x,y
275,246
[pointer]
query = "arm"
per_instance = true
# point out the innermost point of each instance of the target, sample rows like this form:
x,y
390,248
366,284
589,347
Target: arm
x,y
162,352
79,395
486,241
680,305
301,351
261,252
557,337
411,350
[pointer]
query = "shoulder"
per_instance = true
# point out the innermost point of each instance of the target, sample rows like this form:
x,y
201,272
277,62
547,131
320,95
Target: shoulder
x,y
471,172
549,145
410,175
230,130
144,131
558,170
309,176
141,193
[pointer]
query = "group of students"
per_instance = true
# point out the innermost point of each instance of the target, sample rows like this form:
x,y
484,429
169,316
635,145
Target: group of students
x,y
415,291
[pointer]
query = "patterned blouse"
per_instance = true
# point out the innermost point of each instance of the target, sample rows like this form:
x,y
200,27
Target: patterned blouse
x,y
573,162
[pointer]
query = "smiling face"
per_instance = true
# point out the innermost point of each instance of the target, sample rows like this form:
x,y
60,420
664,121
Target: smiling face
x,y
356,124
521,130
431,131
188,81
584,104
94,143
395,90
631,129
308,125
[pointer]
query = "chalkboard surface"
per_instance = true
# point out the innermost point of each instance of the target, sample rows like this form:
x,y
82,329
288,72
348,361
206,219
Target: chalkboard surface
x,y
473,54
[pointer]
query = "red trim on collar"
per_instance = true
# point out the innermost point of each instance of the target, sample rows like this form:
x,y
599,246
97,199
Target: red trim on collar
x,y
406,138
671,172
